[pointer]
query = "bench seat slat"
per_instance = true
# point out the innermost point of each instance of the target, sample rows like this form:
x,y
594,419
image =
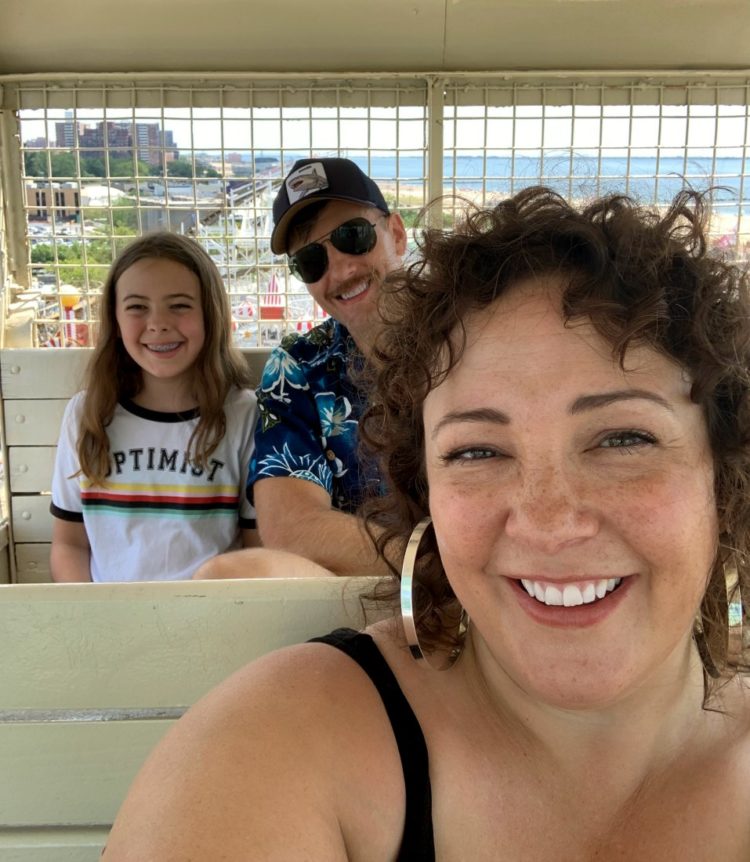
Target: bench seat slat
x,y
92,675
30,468
32,521
52,373
110,646
42,373
33,422
32,563
39,844
71,774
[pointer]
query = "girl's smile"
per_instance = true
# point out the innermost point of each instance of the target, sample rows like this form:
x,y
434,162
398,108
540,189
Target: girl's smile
x,y
160,320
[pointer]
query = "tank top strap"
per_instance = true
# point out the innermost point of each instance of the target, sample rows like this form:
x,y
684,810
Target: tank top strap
x,y
418,840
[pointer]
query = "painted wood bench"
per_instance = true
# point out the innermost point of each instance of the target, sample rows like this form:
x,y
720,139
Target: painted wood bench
x,y
92,675
36,385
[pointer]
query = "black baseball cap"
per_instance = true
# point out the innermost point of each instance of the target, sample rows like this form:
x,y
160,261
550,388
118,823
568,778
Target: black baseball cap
x,y
311,180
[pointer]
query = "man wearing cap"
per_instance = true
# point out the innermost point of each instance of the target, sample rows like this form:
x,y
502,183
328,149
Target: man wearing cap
x,y
306,478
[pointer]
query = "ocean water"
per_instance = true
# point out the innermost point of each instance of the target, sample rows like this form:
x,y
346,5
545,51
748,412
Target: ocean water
x,y
645,178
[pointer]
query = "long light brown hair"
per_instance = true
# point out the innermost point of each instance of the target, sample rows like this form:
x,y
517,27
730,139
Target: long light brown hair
x,y
112,375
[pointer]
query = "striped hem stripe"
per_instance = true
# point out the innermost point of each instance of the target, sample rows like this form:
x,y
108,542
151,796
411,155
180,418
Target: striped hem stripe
x,y
113,488
157,499
160,512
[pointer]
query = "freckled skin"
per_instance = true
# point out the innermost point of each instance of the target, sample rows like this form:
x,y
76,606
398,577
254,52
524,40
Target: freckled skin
x,y
621,489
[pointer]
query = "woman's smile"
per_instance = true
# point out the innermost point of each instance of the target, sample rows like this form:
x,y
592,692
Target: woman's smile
x,y
574,604
570,594
572,497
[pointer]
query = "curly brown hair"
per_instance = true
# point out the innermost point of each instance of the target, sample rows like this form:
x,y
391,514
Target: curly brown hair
x,y
640,276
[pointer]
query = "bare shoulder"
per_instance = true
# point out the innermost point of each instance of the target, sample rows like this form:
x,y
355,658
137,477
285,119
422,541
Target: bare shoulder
x,y
292,757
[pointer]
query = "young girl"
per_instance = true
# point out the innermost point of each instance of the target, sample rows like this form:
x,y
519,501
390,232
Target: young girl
x,y
152,461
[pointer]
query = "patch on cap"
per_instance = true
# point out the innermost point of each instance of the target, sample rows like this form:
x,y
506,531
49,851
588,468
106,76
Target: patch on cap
x,y
320,179
305,181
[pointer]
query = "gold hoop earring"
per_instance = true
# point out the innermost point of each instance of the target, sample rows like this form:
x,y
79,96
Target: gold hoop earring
x,y
703,651
407,603
735,620
735,612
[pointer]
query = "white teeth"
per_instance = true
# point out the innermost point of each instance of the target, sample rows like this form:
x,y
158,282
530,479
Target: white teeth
x,y
570,595
589,594
355,291
163,348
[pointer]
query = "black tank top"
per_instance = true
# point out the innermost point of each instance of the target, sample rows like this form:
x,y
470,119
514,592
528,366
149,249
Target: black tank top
x,y
418,844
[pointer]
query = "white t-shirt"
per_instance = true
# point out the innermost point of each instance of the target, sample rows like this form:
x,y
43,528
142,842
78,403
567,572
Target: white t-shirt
x,y
157,518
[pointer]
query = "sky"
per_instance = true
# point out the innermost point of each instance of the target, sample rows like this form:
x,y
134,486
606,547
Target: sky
x,y
327,129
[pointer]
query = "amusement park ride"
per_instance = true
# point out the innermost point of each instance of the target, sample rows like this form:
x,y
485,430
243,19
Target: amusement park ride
x,y
92,675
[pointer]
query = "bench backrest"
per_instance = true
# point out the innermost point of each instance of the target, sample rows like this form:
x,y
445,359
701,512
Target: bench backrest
x,y
36,385
92,675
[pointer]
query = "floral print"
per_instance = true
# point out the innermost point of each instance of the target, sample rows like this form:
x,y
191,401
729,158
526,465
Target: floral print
x,y
282,372
334,415
309,416
296,467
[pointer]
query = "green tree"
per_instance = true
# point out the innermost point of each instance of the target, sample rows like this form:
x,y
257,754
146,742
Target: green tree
x,y
128,168
99,255
180,168
97,167
45,253
35,164
184,168
63,165
93,167
42,253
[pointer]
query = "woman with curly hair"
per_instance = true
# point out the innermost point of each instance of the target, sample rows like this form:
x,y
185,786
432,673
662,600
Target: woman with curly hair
x,y
561,408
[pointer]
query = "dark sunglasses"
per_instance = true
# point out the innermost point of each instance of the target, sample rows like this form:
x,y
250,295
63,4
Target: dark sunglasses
x,y
356,236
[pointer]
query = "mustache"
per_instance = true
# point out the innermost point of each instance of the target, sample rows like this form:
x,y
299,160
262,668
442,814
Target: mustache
x,y
370,274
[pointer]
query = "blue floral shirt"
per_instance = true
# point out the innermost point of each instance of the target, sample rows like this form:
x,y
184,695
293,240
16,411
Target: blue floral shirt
x,y
309,416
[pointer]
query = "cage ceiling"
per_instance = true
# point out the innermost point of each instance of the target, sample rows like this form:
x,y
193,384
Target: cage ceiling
x,y
46,36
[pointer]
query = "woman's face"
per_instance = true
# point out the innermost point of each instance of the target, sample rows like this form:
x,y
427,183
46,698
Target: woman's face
x,y
572,501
